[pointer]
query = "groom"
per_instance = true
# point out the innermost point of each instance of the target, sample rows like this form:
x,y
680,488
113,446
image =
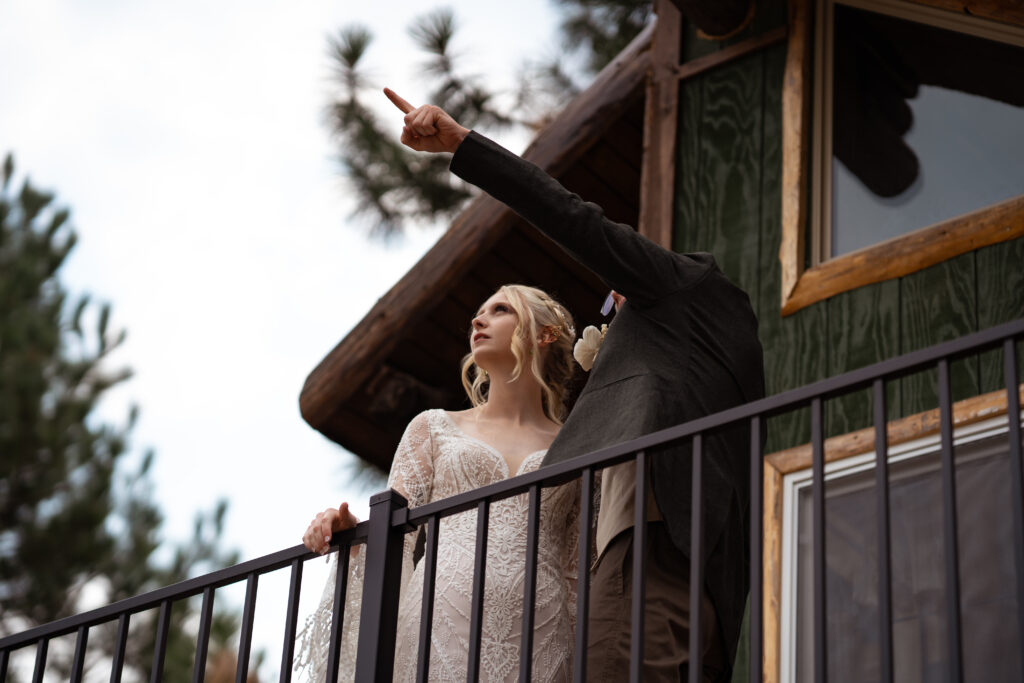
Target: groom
x,y
683,345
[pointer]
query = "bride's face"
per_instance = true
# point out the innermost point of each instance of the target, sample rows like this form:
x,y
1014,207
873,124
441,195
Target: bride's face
x,y
493,328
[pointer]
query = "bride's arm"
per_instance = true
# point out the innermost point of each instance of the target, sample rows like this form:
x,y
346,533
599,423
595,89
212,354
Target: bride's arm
x,y
412,475
412,470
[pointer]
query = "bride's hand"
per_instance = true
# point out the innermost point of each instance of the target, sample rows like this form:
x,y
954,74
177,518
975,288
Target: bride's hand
x,y
318,534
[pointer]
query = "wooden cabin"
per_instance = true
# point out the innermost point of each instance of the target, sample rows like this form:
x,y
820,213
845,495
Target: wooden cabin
x,y
857,166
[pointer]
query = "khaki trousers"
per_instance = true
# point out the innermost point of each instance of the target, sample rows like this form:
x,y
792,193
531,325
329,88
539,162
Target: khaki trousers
x,y
666,615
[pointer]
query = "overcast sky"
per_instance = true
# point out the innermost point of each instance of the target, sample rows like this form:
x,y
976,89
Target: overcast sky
x,y
187,138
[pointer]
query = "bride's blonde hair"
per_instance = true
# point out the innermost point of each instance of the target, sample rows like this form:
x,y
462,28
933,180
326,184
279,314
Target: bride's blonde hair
x,y
536,312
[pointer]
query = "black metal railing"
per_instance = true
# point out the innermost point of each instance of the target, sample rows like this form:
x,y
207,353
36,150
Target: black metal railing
x,y
390,519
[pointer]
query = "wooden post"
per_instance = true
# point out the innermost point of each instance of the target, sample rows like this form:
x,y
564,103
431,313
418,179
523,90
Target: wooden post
x,y
657,175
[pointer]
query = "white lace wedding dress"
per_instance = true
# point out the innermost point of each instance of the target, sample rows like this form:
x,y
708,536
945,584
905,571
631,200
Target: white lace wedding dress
x,y
435,460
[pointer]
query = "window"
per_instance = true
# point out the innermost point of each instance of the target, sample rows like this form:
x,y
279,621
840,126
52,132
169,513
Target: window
x,y
923,125
988,598
903,139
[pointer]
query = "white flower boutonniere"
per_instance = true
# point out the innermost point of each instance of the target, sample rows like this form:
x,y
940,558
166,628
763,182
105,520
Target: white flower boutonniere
x,y
588,345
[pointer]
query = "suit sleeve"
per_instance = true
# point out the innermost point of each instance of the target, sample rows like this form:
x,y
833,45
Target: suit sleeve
x,y
627,262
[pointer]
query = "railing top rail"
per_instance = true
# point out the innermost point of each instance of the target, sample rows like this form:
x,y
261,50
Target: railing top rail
x,y
178,591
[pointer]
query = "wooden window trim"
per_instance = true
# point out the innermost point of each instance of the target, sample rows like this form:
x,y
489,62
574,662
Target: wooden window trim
x,y
657,172
779,464
1003,11
899,256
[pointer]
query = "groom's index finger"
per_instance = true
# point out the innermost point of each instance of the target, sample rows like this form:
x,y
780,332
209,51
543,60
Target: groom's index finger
x,y
397,100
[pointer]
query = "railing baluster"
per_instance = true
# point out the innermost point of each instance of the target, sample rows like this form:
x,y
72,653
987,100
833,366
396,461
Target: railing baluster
x,y
636,640
756,548
245,638
818,517
117,665
696,561
950,544
40,668
291,621
378,618
529,585
4,656
1016,481
882,513
78,663
477,606
203,637
338,613
583,574
429,560
163,625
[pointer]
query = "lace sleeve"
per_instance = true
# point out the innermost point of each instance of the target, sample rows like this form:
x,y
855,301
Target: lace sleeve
x,y
412,476
412,470
571,548
314,639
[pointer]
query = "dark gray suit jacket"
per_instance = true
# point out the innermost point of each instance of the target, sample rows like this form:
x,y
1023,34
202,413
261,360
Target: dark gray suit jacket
x,y
684,345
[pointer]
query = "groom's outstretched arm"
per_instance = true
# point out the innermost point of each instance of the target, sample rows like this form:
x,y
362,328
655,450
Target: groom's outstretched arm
x,y
626,261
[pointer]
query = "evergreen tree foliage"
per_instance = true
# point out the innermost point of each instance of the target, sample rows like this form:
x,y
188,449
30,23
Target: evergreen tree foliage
x,y
392,185
602,28
69,518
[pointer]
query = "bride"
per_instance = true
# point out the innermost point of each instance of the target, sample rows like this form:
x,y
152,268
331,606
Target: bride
x,y
516,374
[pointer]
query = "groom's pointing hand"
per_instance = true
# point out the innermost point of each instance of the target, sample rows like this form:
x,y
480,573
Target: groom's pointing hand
x,y
428,128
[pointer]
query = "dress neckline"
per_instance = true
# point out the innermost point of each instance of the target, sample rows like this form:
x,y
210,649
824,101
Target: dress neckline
x,y
488,447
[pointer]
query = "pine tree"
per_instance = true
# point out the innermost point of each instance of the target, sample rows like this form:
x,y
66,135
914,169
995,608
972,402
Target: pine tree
x,y
390,183
69,518
393,186
601,29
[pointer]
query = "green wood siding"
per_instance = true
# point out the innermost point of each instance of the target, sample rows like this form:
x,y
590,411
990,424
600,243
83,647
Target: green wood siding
x,y
1000,273
864,328
938,304
728,202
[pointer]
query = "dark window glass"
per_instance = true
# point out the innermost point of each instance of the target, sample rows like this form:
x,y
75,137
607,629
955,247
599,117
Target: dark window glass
x,y
928,124
988,596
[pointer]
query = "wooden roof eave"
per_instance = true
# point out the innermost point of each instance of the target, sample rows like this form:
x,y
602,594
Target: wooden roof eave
x,y
356,357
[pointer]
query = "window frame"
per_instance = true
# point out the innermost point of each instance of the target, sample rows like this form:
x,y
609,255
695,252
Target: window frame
x,y
807,162
915,453
843,451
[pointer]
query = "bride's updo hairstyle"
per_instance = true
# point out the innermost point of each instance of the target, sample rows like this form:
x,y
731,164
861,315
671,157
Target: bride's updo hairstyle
x,y
536,312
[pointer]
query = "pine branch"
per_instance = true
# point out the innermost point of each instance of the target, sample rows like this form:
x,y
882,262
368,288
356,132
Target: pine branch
x,y
390,184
